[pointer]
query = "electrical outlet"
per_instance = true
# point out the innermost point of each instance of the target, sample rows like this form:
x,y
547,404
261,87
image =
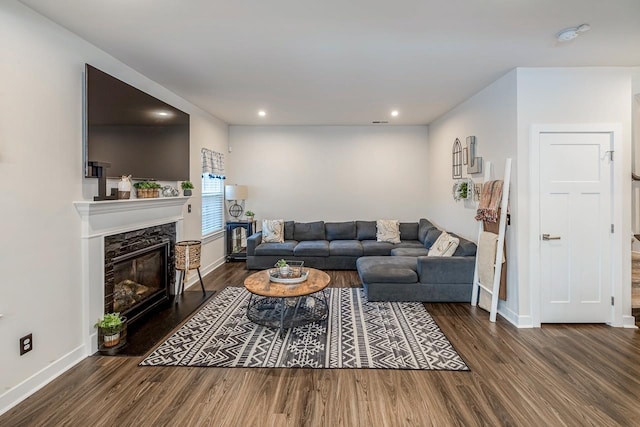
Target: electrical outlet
x,y
26,344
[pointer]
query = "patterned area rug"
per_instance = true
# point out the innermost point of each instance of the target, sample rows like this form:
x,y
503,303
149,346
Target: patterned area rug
x,y
356,334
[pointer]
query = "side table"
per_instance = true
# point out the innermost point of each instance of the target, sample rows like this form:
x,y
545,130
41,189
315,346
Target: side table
x,y
236,249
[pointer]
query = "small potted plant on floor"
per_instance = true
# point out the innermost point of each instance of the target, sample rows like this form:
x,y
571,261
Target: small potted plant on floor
x,y
110,326
187,186
283,268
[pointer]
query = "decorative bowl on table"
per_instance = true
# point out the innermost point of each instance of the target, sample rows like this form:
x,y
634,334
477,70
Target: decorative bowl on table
x,y
294,273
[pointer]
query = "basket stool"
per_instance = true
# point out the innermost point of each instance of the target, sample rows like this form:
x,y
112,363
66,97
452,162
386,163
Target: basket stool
x,y
188,258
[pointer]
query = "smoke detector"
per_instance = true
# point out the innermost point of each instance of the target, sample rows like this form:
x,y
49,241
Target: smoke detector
x,y
573,32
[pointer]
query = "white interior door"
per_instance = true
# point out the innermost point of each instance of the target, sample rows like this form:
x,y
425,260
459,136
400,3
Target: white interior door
x,y
575,227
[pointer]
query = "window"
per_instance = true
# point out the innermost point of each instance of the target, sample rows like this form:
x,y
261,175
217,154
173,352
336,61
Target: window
x,y
212,192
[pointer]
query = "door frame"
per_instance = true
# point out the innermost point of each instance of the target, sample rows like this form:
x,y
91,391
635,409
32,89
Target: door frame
x,y
620,247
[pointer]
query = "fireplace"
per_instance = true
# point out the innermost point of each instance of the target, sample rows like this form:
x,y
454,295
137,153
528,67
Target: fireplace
x,y
139,270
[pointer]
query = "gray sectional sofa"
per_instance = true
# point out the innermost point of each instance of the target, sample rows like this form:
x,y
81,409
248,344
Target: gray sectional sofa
x,y
389,272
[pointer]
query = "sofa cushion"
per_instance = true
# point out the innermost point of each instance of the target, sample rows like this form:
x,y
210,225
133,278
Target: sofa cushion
x,y
465,247
423,227
308,231
284,248
312,248
445,245
432,236
372,247
288,230
273,230
421,251
388,230
409,244
409,230
340,230
387,269
345,248
366,230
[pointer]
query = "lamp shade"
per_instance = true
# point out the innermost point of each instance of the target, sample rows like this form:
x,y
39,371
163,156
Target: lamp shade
x,y
236,192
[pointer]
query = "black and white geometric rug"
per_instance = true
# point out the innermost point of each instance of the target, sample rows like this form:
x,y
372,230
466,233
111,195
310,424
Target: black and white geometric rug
x,y
356,334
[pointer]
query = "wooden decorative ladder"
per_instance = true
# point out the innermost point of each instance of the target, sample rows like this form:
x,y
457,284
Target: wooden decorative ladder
x,y
494,288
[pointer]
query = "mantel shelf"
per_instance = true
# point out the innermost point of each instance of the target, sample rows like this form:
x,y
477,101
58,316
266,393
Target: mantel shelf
x,y
90,207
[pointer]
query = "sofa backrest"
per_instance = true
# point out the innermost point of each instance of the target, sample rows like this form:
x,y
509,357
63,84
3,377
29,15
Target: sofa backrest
x,y
408,231
366,230
340,230
308,231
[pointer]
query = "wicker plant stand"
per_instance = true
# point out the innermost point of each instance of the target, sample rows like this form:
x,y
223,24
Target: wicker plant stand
x,y
188,258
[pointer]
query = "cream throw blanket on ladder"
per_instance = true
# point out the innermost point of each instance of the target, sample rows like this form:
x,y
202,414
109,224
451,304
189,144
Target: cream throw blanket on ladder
x,y
487,246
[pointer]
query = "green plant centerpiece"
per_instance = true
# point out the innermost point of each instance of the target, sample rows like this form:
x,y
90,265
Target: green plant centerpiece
x,y
187,187
110,327
250,215
147,189
283,268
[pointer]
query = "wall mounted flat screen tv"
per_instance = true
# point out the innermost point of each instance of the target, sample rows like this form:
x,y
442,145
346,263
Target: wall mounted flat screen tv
x,y
137,134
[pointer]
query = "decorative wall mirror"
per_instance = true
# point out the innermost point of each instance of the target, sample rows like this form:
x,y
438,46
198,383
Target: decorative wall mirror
x,y
456,160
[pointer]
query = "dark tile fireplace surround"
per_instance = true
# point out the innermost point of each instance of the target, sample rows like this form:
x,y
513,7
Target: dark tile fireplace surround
x,y
138,270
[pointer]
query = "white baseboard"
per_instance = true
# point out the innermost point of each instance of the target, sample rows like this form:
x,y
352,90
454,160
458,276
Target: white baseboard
x,y
629,322
513,317
26,388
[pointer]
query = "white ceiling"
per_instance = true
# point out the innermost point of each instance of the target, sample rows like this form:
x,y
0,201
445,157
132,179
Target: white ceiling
x,y
345,61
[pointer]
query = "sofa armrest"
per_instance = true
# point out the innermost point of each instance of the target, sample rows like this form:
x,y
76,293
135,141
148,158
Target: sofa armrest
x,y
445,270
252,242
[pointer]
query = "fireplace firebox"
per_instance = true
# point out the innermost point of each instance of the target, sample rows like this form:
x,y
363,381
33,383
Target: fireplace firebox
x,y
139,270
140,280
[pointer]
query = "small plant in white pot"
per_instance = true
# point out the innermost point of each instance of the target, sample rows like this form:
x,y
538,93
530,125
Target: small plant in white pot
x,y
283,268
250,215
110,327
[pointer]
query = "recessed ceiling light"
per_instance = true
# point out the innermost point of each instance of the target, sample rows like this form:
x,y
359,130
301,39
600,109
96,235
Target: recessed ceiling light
x,y
571,33
262,113
395,113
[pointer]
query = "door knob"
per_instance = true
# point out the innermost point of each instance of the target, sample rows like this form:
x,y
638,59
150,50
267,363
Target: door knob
x,y
548,237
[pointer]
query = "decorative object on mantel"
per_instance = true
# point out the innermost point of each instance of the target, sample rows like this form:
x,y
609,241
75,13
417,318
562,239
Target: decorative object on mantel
x,y
463,189
112,332
169,191
187,186
147,189
235,193
456,160
474,164
124,187
98,170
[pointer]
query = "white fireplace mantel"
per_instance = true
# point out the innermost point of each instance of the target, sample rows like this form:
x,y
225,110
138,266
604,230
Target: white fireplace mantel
x,y
107,217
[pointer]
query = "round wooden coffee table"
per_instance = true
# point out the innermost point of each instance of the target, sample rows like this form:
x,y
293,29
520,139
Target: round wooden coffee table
x,y
285,306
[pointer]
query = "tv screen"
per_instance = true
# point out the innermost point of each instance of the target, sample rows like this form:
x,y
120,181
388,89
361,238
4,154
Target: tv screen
x,y
139,135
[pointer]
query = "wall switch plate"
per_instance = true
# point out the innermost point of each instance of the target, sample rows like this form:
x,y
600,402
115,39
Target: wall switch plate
x,y
26,344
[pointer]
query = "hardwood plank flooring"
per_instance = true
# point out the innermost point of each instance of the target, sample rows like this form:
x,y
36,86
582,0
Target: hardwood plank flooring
x,y
558,375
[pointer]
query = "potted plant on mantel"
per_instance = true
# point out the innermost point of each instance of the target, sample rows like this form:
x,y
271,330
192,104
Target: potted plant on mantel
x,y
110,327
187,186
147,189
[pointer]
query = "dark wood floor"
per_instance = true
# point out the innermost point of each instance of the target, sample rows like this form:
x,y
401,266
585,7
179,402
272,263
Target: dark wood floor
x,y
581,375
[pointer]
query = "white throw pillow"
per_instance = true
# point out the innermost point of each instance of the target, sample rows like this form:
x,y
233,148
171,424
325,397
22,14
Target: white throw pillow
x,y
273,230
388,230
445,245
